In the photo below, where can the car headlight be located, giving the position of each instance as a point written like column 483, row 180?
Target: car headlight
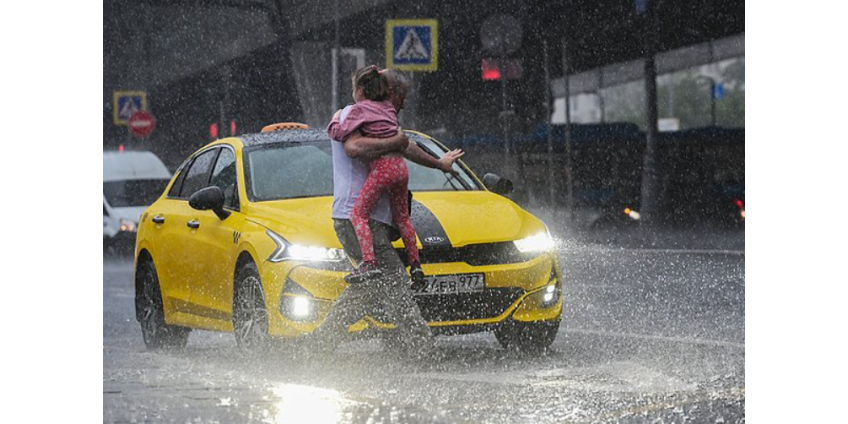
column 551, row 294
column 127, row 226
column 294, row 252
column 296, row 303
column 299, row 308
column 535, row 243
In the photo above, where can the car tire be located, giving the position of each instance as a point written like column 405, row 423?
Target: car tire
column 151, row 314
column 250, row 313
column 528, row 337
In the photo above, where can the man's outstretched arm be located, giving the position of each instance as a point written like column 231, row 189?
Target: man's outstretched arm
column 359, row 146
column 416, row 154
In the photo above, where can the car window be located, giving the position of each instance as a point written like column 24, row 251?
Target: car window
column 174, row 192
column 422, row 178
column 197, row 176
column 224, row 176
column 285, row 172
column 128, row 193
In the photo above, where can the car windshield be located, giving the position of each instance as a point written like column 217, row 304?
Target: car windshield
column 422, row 178
column 292, row 170
column 128, row 193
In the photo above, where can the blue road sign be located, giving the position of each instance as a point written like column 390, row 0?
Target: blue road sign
column 125, row 103
column 718, row 91
column 412, row 44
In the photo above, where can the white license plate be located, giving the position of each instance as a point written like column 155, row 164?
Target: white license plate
column 450, row 284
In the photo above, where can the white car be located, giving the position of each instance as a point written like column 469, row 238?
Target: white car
column 132, row 181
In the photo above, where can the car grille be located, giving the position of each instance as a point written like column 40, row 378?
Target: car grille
column 489, row 303
column 474, row 254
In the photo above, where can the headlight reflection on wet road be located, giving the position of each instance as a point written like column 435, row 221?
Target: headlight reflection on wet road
column 306, row 404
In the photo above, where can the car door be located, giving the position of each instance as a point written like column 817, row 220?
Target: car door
column 175, row 260
column 214, row 244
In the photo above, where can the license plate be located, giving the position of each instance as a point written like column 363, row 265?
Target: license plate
column 450, row 284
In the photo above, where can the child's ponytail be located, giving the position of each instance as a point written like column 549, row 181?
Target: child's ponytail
column 374, row 85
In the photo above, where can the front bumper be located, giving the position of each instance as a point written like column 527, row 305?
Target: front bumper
column 514, row 291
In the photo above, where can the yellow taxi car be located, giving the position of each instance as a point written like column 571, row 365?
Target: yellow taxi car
column 242, row 241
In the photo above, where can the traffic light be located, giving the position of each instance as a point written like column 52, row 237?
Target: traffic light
column 492, row 70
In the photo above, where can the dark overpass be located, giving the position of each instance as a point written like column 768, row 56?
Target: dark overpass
column 215, row 62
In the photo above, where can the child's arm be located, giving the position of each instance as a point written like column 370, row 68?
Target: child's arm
column 340, row 129
column 333, row 126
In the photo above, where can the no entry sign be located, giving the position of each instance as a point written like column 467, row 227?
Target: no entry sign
column 141, row 124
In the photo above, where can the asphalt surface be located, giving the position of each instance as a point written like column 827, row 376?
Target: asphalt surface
column 653, row 332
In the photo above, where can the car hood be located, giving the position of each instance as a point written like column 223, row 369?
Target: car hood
column 447, row 218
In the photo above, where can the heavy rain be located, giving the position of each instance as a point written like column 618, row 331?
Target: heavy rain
column 549, row 104
column 576, row 186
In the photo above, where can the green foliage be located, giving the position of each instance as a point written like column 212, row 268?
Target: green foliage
column 686, row 95
column 625, row 103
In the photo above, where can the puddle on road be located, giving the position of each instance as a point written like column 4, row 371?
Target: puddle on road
column 619, row 377
column 306, row 404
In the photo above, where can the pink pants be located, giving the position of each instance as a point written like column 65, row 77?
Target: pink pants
column 388, row 173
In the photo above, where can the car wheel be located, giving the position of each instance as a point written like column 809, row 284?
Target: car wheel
column 250, row 315
column 530, row 337
column 151, row 315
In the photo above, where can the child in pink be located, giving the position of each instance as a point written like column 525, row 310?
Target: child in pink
column 373, row 115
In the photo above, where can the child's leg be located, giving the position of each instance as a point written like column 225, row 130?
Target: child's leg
column 375, row 185
column 400, row 215
column 400, row 211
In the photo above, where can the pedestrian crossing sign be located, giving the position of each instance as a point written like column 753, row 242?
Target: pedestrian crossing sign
column 125, row 103
column 412, row 44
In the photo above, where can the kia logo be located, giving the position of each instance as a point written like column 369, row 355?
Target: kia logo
column 434, row 239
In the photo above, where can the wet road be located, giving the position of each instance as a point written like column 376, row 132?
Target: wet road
column 648, row 336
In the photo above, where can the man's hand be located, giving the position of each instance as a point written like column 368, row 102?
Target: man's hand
column 419, row 156
column 401, row 144
column 337, row 115
column 446, row 161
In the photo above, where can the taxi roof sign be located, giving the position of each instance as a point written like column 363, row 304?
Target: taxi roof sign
column 412, row 44
column 282, row 126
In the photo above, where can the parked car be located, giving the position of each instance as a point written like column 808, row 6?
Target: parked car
column 702, row 176
column 242, row 241
column 131, row 182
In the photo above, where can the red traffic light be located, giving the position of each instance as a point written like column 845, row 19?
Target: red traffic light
column 492, row 70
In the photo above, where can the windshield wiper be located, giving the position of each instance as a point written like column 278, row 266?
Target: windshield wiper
column 448, row 175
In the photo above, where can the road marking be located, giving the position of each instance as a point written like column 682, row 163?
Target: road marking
column 692, row 251
column 678, row 251
column 687, row 340
column 736, row 393
column 604, row 286
column 684, row 251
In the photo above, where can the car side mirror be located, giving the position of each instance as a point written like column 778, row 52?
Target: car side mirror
column 497, row 184
column 209, row 198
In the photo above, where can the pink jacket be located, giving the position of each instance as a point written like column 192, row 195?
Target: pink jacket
column 372, row 119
